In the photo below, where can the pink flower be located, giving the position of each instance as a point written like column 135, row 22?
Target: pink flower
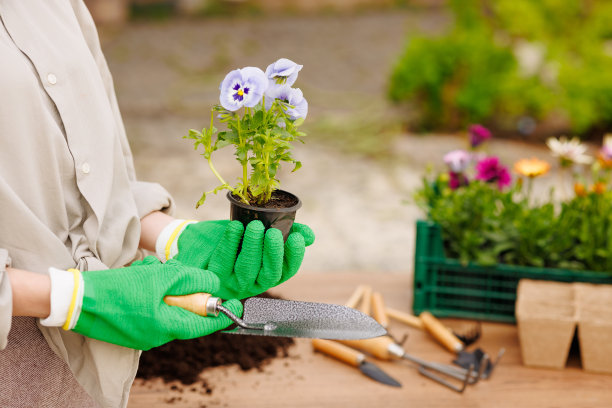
column 491, row 171
column 457, row 180
column 478, row 135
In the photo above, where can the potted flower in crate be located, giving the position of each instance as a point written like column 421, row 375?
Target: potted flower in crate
column 262, row 114
column 486, row 230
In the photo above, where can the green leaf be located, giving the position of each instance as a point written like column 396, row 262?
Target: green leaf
column 298, row 165
column 221, row 143
column 201, row 201
column 241, row 153
column 194, row 134
column 259, row 139
column 257, row 118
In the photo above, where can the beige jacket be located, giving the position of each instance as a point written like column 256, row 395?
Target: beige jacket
column 68, row 192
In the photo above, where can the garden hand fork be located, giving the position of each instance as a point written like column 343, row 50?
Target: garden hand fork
column 385, row 348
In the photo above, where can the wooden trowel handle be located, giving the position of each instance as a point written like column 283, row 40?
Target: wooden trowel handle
column 203, row 304
column 380, row 347
column 378, row 310
column 366, row 301
column 441, row 333
column 406, row 318
column 355, row 298
column 339, row 351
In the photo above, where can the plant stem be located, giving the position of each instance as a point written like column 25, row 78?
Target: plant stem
column 263, row 108
column 563, row 182
column 212, row 121
column 245, row 175
column 210, row 149
column 529, row 188
column 267, row 167
column 210, row 164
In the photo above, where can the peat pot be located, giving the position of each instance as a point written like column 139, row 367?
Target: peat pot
column 279, row 212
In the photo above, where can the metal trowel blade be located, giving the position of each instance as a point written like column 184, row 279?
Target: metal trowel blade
column 289, row 318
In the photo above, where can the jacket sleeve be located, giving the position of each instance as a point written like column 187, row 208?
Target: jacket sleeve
column 148, row 196
column 6, row 299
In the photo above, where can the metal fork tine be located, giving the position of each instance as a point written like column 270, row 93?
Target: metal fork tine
column 466, row 379
column 492, row 364
column 458, row 373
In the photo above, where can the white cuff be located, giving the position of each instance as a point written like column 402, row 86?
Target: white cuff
column 172, row 232
column 62, row 287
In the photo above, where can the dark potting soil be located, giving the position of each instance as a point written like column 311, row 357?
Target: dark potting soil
column 184, row 360
column 279, row 199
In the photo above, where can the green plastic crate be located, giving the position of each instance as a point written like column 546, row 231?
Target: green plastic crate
column 447, row 288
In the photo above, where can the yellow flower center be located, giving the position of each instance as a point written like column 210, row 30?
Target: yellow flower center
column 240, row 92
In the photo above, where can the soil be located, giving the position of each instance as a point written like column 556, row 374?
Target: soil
column 185, row 360
column 280, row 199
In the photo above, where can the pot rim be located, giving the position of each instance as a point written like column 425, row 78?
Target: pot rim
column 240, row 204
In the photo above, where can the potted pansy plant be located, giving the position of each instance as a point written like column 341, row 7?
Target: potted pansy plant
column 261, row 113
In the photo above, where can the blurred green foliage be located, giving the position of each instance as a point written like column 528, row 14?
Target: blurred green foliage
column 159, row 10
column 546, row 59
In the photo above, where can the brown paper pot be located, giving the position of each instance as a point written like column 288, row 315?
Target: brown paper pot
column 589, row 295
column 595, row 327
column 596, row 346
column 545, row 334
column 546, row 319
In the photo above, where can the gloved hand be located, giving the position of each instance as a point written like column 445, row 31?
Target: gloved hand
column 125, row 306
column 264, row 260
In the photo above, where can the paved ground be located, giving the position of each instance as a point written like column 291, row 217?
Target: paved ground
column 167, row 77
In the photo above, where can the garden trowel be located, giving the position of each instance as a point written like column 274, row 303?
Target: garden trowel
column 286, row 318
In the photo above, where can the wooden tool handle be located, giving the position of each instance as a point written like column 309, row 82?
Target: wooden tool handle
column 339, row 351
column 356, row 296
column 378, row 310
column 441, row 333
column 379, row 347
column 405, row 318
column 195, row 303
column 366, row 301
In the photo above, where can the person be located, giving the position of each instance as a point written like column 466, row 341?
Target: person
column 74, row 308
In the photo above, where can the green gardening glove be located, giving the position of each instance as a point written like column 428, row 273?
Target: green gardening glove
column 264, row 260
column 125, row 306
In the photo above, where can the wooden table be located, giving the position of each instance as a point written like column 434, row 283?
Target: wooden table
column 308, row 379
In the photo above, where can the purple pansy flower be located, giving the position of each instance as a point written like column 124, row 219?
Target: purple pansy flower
column 457, row 160
column 490, row 170
column 478, row 135
column 295, row 106
column 243, row 87
column 283, row 72
column 457, row 180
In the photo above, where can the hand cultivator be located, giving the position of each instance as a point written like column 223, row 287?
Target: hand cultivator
column 470, row 368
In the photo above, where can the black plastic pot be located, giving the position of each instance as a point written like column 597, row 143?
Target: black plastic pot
column 281, row 218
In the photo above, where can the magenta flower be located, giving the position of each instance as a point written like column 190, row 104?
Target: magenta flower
column 491, row 170
column 457, row 180
column 478, row 135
